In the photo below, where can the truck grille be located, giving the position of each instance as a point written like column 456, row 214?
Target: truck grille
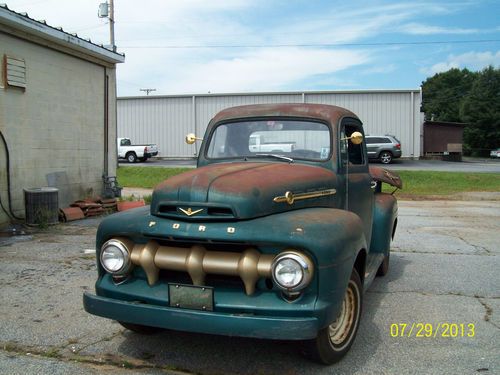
column 201, row 262
column 186, row 212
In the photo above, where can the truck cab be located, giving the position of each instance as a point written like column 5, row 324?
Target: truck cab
column 274, row 245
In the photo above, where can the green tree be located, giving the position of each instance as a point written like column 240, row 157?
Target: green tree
column 443, row 94
column 480, row 109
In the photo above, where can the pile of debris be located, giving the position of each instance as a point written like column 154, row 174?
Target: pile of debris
column 87, row 208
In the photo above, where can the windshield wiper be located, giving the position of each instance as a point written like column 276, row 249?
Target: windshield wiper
column 280, row 157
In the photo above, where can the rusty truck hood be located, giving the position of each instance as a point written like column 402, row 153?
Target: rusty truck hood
column 229, row 191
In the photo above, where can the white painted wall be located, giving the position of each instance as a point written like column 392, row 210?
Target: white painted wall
column 165, row 120
column 56, row 125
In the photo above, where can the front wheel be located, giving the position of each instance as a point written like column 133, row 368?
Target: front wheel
column 385, row 157
column 334, row 341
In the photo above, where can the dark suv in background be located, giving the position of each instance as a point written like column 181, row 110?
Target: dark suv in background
column 383, row 148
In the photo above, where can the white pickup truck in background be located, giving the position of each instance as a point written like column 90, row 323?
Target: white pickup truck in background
column 126, row 150
column 258, row 144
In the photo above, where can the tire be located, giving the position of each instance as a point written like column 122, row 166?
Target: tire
column 385, row 157
column 334, row 341
column 383, row 269
column 131, row 157
column 138, row 328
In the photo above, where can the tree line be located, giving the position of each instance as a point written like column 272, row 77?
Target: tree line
column 469, row 97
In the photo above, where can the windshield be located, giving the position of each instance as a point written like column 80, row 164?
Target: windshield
column 296, row 139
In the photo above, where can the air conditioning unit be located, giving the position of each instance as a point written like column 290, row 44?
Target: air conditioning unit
column 41, row 206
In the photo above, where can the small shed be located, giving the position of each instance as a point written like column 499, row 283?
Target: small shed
column 443, row 140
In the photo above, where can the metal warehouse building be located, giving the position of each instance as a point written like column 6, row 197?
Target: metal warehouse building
column 165, row 120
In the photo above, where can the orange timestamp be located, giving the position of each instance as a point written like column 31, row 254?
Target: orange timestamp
column 431, row 330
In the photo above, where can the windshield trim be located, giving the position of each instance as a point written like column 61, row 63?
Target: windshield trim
column 268, row 118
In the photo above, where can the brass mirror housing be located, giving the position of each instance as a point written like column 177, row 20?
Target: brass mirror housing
column 192, row 138
column 356, row 138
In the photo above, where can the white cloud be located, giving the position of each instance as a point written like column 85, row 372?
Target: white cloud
column 421, row 29
column 470, row 60
column 264, row 69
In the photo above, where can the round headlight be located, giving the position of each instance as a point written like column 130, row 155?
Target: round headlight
column 115, row 257
column 292, row 271
column 288, row 273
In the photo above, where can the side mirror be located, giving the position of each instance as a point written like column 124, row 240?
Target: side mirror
column 356, row 138
column 192, row 138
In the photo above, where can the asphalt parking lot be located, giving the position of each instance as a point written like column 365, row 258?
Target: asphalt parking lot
column 444, row 269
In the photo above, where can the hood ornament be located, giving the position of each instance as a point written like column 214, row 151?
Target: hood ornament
column 190, row 212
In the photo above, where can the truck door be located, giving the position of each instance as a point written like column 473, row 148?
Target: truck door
column 354, row 166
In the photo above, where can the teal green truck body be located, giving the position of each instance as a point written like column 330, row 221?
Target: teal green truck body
column 213, row 237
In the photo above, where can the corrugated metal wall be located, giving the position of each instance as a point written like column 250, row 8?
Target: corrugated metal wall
column 165, row 120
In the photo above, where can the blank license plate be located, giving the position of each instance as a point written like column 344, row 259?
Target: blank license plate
column 191, row 297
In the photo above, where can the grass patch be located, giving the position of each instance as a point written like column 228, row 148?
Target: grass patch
column 422, row 183
column 145, row 177
column 415, row 183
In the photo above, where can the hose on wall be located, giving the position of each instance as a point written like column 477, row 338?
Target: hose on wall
column 9, row 213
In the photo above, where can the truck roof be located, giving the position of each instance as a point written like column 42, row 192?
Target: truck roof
column 328, row 113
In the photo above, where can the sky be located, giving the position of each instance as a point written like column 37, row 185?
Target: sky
column 223, row 46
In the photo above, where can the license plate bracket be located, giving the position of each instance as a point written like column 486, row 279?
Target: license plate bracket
column 191, row 297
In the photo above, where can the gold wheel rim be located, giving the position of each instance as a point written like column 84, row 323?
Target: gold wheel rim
column 339, row 330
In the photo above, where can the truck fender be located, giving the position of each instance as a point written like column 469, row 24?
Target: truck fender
column 385, row 213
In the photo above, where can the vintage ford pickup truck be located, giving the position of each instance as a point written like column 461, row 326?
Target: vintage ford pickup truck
column 275, row 246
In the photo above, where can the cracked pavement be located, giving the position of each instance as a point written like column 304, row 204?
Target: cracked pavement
column 444, row 268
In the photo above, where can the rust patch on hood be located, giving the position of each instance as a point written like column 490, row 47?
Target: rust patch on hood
column 383, row 175
column 248, row 188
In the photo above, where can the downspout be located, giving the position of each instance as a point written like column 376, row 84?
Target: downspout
column 106, row 122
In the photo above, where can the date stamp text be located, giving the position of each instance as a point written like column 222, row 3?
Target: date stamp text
column 432, row 330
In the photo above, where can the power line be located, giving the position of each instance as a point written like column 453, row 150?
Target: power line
column 318, row 45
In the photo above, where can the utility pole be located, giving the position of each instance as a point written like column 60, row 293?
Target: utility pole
column 108, row 11
column 147, row 91
column 112, row 25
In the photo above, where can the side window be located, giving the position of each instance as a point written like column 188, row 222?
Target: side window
column 386, row 140
column 348, row 150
